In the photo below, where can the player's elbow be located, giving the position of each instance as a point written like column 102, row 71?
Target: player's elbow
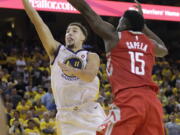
column 162, row 53
column 89, row 78
column 165, row 52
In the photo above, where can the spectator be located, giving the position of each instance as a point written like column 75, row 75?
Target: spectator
column 15, row 98
column 9, row 110
column 47, row 126
column 39, row 108
column 31, row 129
column 48, row 100
column 30, row 116
column 173, row 128
column 16, row 128
column 22, row 107
column 16, row 117
column 39, row 93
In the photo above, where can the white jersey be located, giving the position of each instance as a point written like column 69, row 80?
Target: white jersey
column 69, row 90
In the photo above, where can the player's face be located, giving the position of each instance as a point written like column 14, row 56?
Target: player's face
column 74, row 37
column 122, row 24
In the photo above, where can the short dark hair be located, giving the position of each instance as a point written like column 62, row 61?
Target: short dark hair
column 135, row 20
column 83, row 29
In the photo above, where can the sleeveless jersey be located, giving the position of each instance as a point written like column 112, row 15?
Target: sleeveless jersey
column 131, row 61
column 69, row 90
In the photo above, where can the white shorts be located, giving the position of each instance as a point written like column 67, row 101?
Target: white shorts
column 83, row 121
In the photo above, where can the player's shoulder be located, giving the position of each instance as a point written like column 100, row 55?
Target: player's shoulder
column 93, row 54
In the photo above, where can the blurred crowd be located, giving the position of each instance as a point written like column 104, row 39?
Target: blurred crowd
column 167, row 76
column 26, row 91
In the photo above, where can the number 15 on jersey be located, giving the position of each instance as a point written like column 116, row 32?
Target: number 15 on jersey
column 135, row 58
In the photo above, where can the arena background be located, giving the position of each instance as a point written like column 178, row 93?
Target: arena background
column 24, row 70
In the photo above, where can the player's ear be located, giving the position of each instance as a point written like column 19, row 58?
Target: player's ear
column 83, row 38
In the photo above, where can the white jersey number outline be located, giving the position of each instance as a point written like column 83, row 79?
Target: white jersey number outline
column 135, row 57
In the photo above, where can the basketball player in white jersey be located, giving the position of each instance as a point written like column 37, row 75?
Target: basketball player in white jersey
column 73, row 77
column 3, row 125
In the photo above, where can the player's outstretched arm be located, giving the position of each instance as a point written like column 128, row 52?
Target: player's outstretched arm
column 45, row 35
column 160, row 48
column 102, row 28
column 89, row 73
column 3, row 125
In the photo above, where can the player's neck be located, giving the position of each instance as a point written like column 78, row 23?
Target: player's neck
column 75, row 49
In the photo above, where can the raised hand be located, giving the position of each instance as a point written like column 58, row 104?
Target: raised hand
column 138, row 6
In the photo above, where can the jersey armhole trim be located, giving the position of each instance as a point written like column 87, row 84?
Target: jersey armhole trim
column 120, row 35
column 87, row 53
column 56, row 54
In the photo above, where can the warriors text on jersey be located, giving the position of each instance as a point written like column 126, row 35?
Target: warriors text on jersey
column 131, row 61
column 69, row 90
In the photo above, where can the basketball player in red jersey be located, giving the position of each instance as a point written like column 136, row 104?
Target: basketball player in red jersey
column 131, row 50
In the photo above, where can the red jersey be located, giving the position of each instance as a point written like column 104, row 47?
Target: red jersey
column 130, row 62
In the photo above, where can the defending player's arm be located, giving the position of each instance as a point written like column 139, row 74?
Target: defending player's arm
column 160, row 48
column 102, row 28
column 88, row 73
column 45, row 35
column 3, row 125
